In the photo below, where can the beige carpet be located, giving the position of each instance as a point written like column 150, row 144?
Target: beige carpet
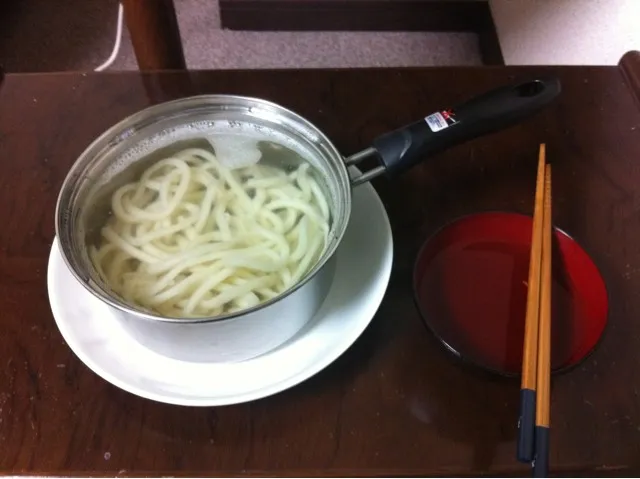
column 53, row 35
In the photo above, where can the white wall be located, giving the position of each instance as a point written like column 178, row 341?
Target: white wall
column 566, row 32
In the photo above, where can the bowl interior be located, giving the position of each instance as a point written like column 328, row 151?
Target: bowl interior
column 470, row 282
column 122, row 153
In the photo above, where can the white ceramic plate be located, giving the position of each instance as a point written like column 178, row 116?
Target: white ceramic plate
column 362, row 274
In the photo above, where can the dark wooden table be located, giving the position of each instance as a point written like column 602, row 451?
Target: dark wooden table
column 395, row 403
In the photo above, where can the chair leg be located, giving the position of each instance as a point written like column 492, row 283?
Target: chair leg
column 154, row 34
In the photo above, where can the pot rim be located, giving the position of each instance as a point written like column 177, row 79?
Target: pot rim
column 118, row 131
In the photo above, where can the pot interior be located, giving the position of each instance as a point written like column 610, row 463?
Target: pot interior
column 238, row 131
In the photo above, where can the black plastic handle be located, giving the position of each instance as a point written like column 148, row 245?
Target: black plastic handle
column 488, row 113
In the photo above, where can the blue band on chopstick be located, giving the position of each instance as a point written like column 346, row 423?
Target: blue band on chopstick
column 526, row 425
column 541, row 459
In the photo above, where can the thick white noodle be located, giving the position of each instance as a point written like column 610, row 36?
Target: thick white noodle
column 193, row 238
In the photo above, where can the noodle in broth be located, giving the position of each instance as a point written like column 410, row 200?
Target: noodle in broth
column 194, row 238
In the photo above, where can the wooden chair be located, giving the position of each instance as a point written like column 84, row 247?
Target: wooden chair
column 154, row 34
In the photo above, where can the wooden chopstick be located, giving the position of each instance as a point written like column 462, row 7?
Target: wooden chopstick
column 535, row 394
column 526, row 421
column 543, row 379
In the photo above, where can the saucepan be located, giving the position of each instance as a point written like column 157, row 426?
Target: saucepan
column 117, row 157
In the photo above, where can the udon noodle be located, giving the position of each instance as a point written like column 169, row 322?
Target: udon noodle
column 194, row 238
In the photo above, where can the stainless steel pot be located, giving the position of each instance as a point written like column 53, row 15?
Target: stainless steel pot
column 118, row 154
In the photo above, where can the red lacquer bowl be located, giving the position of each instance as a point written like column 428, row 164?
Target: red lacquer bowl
column 470, row 283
